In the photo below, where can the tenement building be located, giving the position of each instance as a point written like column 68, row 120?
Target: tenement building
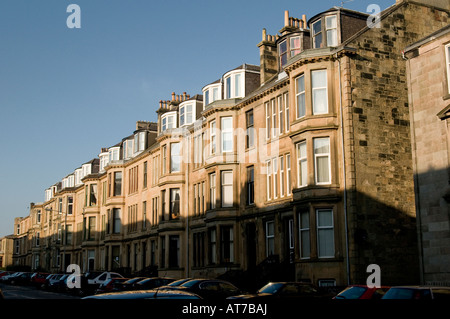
column 299, row 168
column 428, row 69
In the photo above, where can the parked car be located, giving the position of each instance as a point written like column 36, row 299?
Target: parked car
column 7, row 278
column 52, row 282
column 131, row 283
column 5, row 273
column 285, row 290
column 97, row 278
column 176, row 283
column 210, row 289
column 151, row 283
column 112, row 285
column 418, row 292
column 147, row 294
column 38, row 279
column 22, row 279
column 362, row 292
column 77, row 284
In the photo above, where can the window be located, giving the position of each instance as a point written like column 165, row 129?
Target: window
column 280, row 115
column 145, row 176
column 282, row 176
column 199, row 250
column 288, row 174
column 286, row 110
column 212, row 249
column 319, row 91
column 325, row 233
column 274, row 117
column 69, row 232
column 322, row 160
column 212, row 191
column 227, row 244
column 174, row 203
column 93, row 195
column 300, row 96
column 38, row 216
column 164, row 159
column 227, row 134
column 304, row 234
column 70, row 205
column 250, row 136
column 270, row 239
column 234, row 86
column 37, row 239
column 331, row 28
column 113, row 156
column 447, row 55
column 269, row 179
column 275, row 177
column 250, row 185
column 302, row 170
column 186, row 114
column 117, row 184
column 163, row 204
column 116, row 221
column 227, row 189
column 317, row 34
column 175, row 158
column 163, row 252
column 268, row 120
column 129, row 148
column 174, row 251
column 295, row 45
column 282, row 49
column 213, row 137
column 168, row 121
column 91, row 228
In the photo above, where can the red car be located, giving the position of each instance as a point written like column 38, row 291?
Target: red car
column 362, row 292
column 38, row 279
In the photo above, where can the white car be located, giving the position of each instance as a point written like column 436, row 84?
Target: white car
column 98, row 278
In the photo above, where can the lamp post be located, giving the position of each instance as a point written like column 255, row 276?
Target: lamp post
column 64, row 237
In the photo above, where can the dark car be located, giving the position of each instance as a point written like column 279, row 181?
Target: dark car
column 78, row 284
column 209, row 289
column 131, row 283
column 38, row 279
column 286, row 290
column 52, row 281
column 176, row 283
column 111, row 285
column 418, row 292
column 362, row 292
column 151, row 283
column 147, row 294
column 22, row 279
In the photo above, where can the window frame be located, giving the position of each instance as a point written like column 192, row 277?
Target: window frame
column 447, row 59
column 302, row 160
column 226, row 186
column 304, row 229
column 313, row 89
column 316, row 156
column 226, row 131
column 335, row 28
column 326, row 227
column 270, row 238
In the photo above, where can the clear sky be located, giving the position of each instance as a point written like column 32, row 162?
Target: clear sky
column 66, row 93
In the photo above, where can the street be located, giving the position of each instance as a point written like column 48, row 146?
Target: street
column 27, row 292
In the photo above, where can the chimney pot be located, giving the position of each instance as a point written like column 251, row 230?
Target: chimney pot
column 304, row 21
column 173, row 96
column 286, row 18
column 264, row 34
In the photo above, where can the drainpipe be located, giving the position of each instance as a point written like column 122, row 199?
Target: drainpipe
column 344, row 173
column 187, row 206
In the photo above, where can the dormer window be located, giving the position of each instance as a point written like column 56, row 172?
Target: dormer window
column 288, row 48
column 104, row 160
column 114, row 154
column 282, row 49
column 187, row 114
column 127, row 149
column 234, row 85
column 211, row 93
column 327, row 25
column 86, row 169
column 78, row 175
column 168, row 121
column 139, row 142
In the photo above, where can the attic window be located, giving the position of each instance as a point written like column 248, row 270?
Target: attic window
column 282, row 49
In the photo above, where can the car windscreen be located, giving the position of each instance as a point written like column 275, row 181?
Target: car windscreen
column 407, row 293
column 190, row 283
column 270, row 288
column 351, row 293
column 92, row 275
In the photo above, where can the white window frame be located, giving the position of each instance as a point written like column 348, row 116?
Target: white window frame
column 269, row 179
column 283, row 54
column 292, row 49
column 268, row 120
column 282, row 176
column 169, row 121
column 274, row 117
column 175, row 159
column 233, row 88
column 302, row 161
column 275, row 177
column 184, row 110
column 286, row 110
column 280, row 114
column 304, row 229
column 226, row 187
column 297, row 94
column 315, row 34
column 213, row 137
column 332, row 28
column 313, row 89
column 447, row 58
column 325, row 228
column 270, row 238
column 212, row 190
column 226, row 131
column 316, row 156
column 288, row 174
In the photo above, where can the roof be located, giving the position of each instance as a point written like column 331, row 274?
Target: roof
column 439, row 33
column 348, row 11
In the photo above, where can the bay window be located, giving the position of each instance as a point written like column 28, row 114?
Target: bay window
column 212, row 130
column 331, row 28
column 227, row 189
column 270, row 238
column 317, row 34
column 168, row 121
column 304, row 235
column 300, row 96
column 325, row 233
column 234, row 85
column 187, row 114
column 302, row 170
column 175, row 158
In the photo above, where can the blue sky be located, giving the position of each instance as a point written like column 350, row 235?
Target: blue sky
column 66, row 93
